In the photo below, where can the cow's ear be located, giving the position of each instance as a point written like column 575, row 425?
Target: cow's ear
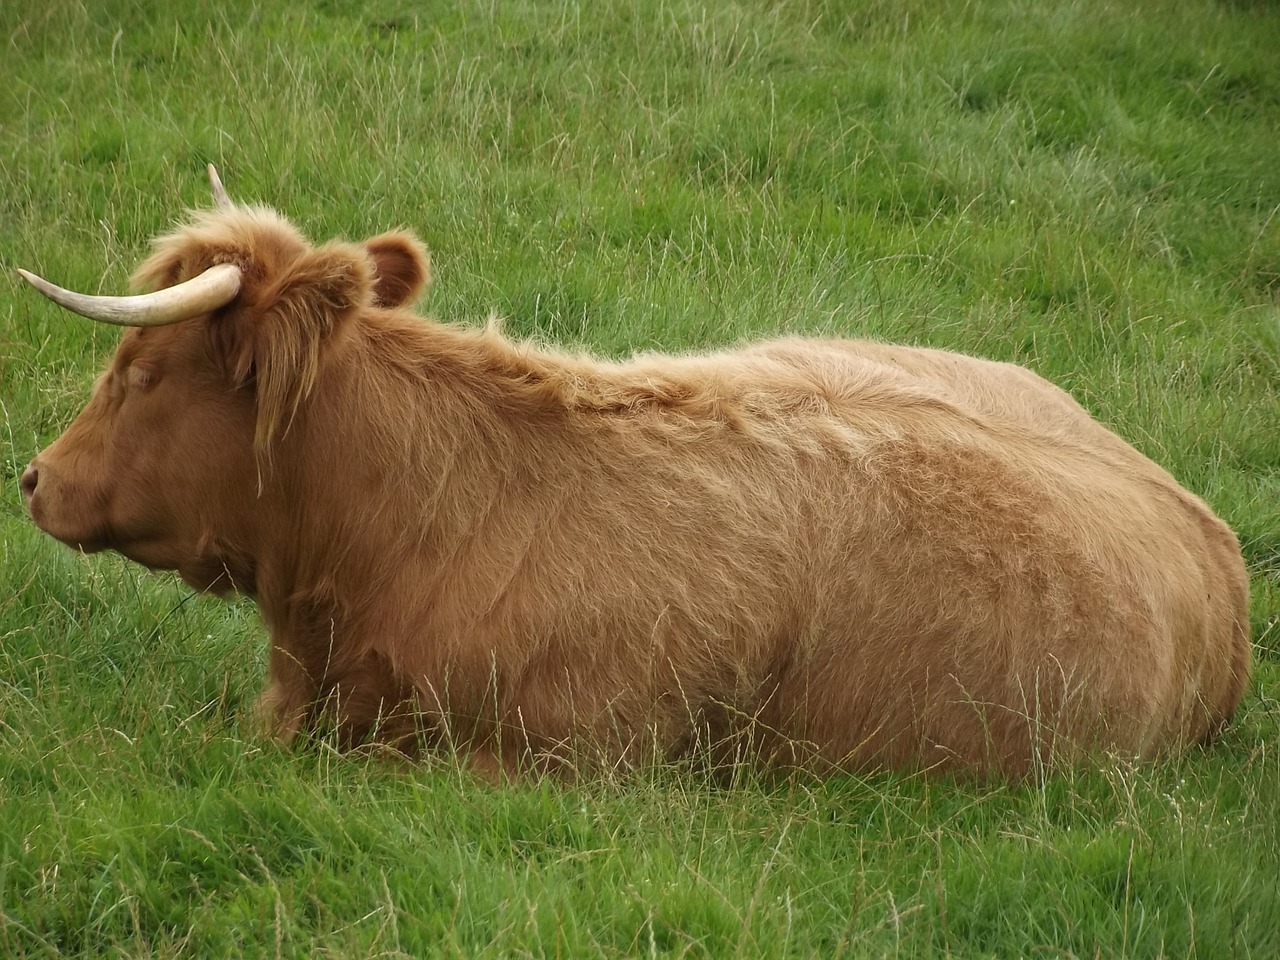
column 322, row 288
column 277, row 341
column 402, row 268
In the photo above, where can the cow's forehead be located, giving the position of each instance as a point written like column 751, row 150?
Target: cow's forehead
column 130, row 345
column 142, row 344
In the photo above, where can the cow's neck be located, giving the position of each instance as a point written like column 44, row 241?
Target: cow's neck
column 388, row 473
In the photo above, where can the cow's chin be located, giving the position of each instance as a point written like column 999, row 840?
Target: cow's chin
column 206, row 574
column 86, row 538
column 216, row 576
column 200, row 571
column 220, row 583
column 149, row 553
column 83, row 544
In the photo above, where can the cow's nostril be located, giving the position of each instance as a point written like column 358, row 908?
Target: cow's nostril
column 30, row 477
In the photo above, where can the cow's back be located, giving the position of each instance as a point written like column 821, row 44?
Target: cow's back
column 1033, row 582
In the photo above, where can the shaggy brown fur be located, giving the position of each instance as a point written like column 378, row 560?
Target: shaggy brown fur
column 825, row 553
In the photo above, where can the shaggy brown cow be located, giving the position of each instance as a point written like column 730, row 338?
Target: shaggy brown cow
column 819, row 552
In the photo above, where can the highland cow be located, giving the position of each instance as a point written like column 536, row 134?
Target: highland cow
column 832, row 554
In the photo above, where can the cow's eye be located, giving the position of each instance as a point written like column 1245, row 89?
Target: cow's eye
column 140, row 377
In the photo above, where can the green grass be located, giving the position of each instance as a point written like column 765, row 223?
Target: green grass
column 1088, row 187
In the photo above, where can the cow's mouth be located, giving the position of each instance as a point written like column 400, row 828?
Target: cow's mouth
column 66, row 510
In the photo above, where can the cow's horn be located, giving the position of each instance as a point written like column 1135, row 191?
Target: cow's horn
column 214, row 288
column 219, row 191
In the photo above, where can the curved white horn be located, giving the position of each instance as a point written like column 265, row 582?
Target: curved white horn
column 219, row 191
column 214, row 288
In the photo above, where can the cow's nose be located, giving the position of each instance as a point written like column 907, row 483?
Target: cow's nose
column 30, row 477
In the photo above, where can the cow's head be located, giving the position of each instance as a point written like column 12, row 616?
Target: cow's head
column 165, row 464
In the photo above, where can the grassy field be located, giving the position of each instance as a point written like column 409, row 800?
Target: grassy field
column 1088, row 187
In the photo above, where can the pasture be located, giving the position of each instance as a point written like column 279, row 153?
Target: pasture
column 1089, row 188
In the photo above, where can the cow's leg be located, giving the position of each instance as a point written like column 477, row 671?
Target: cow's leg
column 483, row 761
column 370, row 706
column 283, row 706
